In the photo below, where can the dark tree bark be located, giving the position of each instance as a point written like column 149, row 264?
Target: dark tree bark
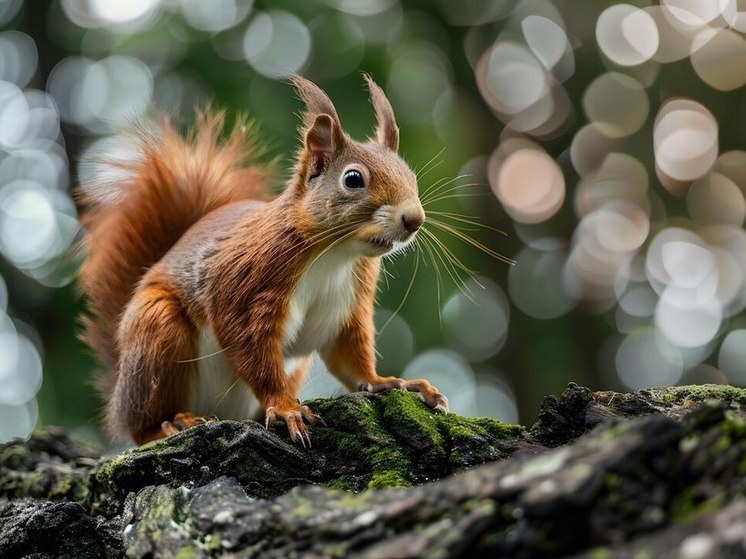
column 659, row 472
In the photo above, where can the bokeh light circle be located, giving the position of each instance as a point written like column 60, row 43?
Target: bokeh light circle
column 121, row 15
column 18, row 421
column 616, row 104
column 732, row 164
column 215, row 15
column 511, row 78
column 621, row 226
column 27, row 222
column 476, row 319
column 494, row 398
column 589, row 148
column 546, row 39
column 643, row 362
column 673, row 44
column 627, row 35
column 394, row 342
column 530, row 186
column 420, row 74
column 685, row 139
column 117, row 89
column 691, row 15
column 276, row 43
column 20, row 365
column 451, row 373
column 620, row 177
column 734, row 12
column 720, row 60
column 680, row 259
column 18, row 57
column 687, row 327
column 538, row 284
column 101, row 95
column 714, row 199
column 732, row 356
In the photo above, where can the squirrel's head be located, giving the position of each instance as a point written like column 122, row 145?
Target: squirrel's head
column 361, row 192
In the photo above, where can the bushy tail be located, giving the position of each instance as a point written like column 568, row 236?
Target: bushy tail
column 138, row 204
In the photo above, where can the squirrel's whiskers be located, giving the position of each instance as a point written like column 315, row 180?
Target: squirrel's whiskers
column 433, row 249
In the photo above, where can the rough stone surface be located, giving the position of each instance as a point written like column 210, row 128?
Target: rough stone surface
column 655, row 473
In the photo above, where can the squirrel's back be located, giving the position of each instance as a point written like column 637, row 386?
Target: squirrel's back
column 134, row 215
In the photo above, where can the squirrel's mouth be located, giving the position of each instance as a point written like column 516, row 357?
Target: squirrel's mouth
column 381, row 243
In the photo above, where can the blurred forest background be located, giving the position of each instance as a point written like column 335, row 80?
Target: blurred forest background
column 606, row 139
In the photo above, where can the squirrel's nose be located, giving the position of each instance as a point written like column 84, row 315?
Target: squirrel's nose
column 412, row 221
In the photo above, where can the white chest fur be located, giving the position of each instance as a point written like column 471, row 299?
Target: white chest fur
column 217, row 390
column 321, row 303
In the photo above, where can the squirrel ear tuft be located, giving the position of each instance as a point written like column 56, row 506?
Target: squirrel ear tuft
column 317, row 102
column 387, row 131
column 321, row 128
column 321, row 142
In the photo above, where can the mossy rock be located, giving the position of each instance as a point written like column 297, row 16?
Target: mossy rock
column 369, row 441
column 600, row 473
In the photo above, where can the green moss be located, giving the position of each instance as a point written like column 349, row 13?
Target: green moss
column 684, row 506
column 213, row 542
column 735, row 427
column 406, row 412
column 108, row 470
column 390, row 467
column 352, row 500
column 304, row 508
column 349, row 446
column 387, row 466
column 342, row 483
column 17, row 457
column 403, row 441
column 463, row 428
column 601, row 553
column 186, row 553
column 499, row 429
column 694, row 395
column 70, row 486
column 388, row 478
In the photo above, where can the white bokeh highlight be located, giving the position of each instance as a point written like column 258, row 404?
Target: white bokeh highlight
column 627, row 35
column 685, row 139
column 276, row 43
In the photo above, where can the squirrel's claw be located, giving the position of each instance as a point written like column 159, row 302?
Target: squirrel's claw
column 295, row 420
column 442, row 403
column 169, row 428
column 270, row 418
column 432, row 397
column 311, row 417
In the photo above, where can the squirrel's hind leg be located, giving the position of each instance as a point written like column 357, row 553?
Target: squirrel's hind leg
column 154, row 377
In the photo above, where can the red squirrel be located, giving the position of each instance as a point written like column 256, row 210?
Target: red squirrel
column 207, row 296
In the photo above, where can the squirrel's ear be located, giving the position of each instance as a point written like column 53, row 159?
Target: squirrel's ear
column 321, row 142
column 317, row 102
column 387, row 132
column 321, row 128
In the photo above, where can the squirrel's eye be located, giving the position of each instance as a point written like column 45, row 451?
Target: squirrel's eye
column 353, row 179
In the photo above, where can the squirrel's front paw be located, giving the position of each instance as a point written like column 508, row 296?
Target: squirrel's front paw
column 429, row 394
column 295, row 417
